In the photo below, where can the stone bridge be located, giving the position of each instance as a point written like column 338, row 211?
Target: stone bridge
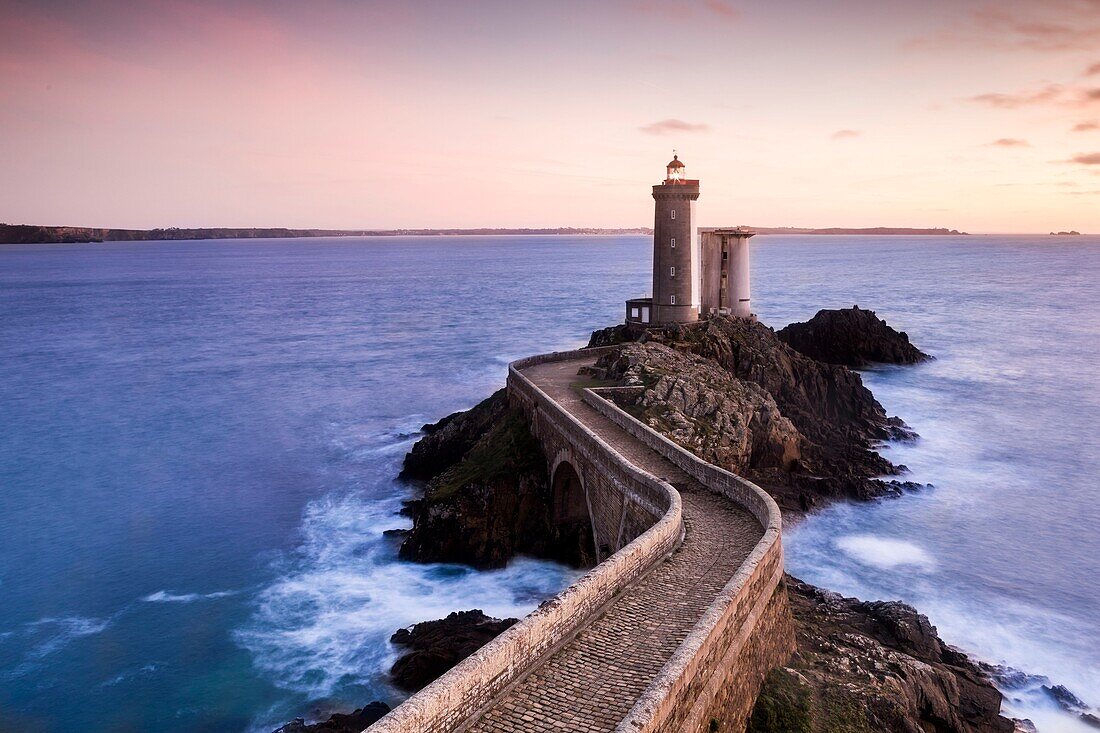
column 676, row 626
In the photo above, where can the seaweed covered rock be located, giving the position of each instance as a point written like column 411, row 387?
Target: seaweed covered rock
column 870, row 667
column 433, row 647
column 852, row 337
column 340, row 722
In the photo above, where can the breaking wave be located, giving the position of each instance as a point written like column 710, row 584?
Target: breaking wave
column 164, row 596
column 325, row 622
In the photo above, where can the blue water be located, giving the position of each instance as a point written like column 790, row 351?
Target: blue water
column 199, row 444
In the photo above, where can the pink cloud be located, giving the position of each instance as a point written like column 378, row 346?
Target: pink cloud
column 1093, row 70
column 671, row 126
column 1053, row 26
column 1048, row 93
column 1010, row 142
column 721, row 8
column 1086, row 159
column 688, row 9
column 845, row 134
column 1055, row 94
column 1086, row 126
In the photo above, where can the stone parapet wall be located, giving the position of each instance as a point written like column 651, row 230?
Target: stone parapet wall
column 645, row 527
column 620, row 506
column 716, row 673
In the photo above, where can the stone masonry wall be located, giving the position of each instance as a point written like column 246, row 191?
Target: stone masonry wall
column 717, row 672
column 652, row 515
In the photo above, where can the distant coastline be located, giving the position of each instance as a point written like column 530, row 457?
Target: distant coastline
column 35, row 234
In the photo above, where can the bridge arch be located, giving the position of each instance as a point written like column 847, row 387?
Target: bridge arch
column 571, row 509
column 714, row 673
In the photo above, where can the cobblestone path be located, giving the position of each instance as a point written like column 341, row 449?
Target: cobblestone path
column 592, row 682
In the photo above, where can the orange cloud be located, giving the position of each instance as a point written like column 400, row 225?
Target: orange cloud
column 671, row 126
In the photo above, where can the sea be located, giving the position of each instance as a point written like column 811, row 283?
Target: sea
column 199, row 444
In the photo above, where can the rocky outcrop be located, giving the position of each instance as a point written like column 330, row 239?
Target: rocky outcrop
column 1020, row 686
column 447, row 441
column 726, row 421
column 436, row 646
column 488, row 497
column 851, row 337
column 872, row 666
column 746, row 377
column 611, row 336
column 340, row 722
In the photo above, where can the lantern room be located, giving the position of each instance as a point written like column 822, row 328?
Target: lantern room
column 675, row 170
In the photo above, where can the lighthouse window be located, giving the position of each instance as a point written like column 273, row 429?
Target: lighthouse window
column 674, row 213
column 672, row 300
column 672, row 272
column 674, row 241
column 725, row 255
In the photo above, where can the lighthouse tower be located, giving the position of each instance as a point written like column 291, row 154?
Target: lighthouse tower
column 675, row 248
column 691, row 279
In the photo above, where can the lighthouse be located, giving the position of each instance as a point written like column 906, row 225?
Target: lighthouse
column 675, row 247
column 691, row 279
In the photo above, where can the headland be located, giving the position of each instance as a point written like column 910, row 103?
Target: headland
column 38, row 234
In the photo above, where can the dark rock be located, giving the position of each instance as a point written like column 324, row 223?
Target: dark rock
column 494, row 501
column 448, row 440
column 340, row 722
column 896, row 429
column 851, row 337
column 872, row 666
column 620, row 334
column 1069, row 702
column 608, row 336
column 1065, row 698
column 436, row 646
column 1011, row 678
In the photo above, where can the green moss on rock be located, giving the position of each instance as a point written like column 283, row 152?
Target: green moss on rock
column 782, row 707
column 506, row 450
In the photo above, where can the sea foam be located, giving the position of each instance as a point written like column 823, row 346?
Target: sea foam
column 884, row 552
column 326, row 620
column 164, row 596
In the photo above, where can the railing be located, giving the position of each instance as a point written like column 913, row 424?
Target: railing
column 468, row 688
column 675, row 698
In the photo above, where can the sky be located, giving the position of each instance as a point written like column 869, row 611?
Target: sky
column 980, row 116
